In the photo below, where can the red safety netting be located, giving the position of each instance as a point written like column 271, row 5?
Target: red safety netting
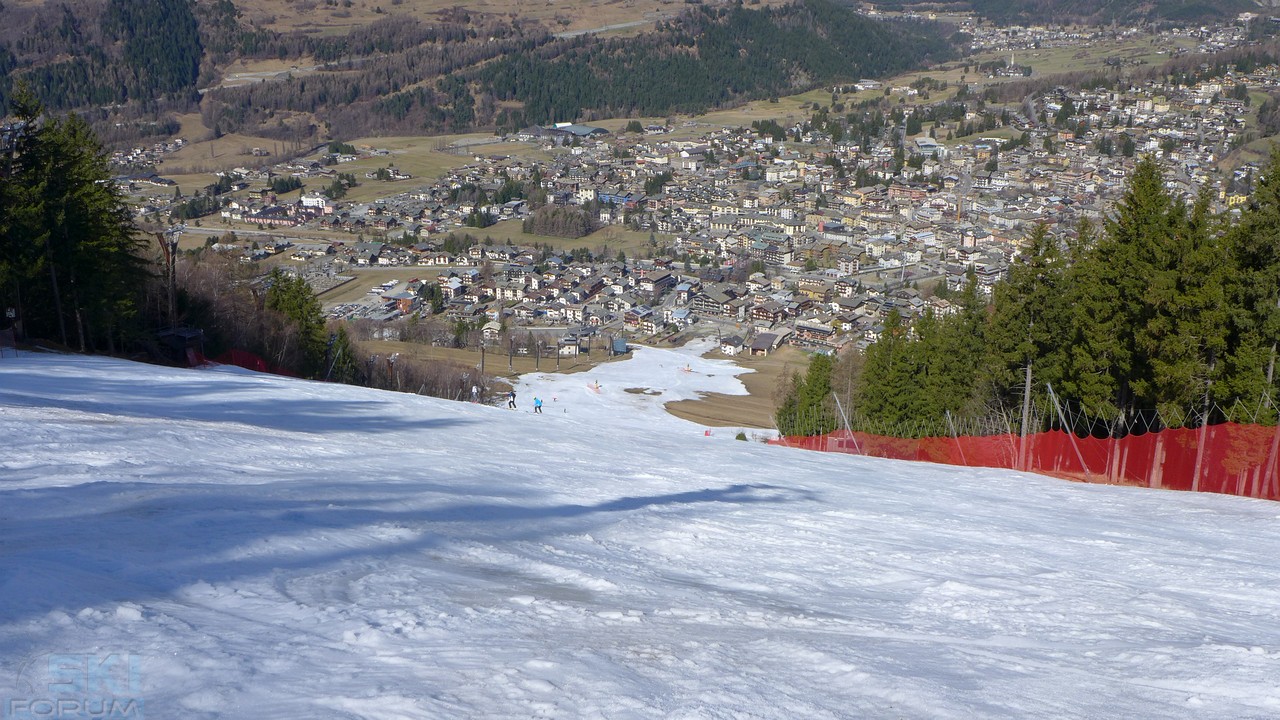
column 248, row 360
column 1227, row 458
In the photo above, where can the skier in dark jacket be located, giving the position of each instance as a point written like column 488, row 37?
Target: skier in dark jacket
column 511, row 399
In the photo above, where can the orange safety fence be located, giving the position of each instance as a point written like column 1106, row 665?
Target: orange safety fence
column 1229, row 458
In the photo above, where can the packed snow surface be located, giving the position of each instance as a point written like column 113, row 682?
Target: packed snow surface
column 222, row 544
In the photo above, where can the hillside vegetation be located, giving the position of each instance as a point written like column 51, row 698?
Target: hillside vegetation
column 100, row 53
column 712, row 57
column 129, row 64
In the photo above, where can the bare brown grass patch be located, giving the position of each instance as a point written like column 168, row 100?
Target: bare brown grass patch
column 753, row 410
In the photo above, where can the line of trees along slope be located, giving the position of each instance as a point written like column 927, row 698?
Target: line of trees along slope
column 76, row 270
column 69, row 259
column 279, row 319
column 1165, row 307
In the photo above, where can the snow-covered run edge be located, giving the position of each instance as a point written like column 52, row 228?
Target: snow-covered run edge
column 224, row 544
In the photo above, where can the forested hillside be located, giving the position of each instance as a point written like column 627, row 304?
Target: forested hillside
column 101, row 53
column 711, row 57
column 130, row 62
column 705, row 59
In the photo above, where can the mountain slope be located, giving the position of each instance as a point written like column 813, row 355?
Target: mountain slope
column 280, row 548
column 129, row 62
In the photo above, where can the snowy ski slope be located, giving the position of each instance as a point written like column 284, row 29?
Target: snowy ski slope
column 222, row 544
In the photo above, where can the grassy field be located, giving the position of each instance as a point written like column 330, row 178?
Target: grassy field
column 1257, row 151
column 1048, row 61
column 368, row 277
column 786, row 109
column 753, row 410
column 195, row 164
column 248, row 72
column 425, row 158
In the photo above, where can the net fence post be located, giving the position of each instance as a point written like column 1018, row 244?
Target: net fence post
column 845, row 418
column 1088, row 476
column 956, row 436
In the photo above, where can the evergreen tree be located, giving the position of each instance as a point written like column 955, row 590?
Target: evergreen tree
column 343, row 367
column 1253, row 295
column 293, row 298
column 69, row 252
column 951, row 383
column 19, row 204
column 888, row 383
column 807, row 407
column 1119, row 286
column 931, row 391
column 787, row 416
column 434, row 297
column 1187, row 331
column 1029, row 322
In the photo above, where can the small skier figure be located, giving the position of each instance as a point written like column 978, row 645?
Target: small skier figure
column 537, row 405
column 475, row 394
column 511, row 399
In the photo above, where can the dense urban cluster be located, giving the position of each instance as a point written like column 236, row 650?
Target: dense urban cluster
column 810, row 232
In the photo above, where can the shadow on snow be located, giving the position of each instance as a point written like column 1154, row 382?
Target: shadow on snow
column 68, row 548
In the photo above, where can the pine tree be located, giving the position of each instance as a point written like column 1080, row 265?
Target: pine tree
column 69, row 252
column 293, row 298
column 343, row 367
column 963, row 347
column 1029, row 322
column 888, row 384
column 1253, row 295
column 787, row 416
column 1120, row 286
column 816, row 400
column 932, row 387
column 1188, row 330
column 806, row 407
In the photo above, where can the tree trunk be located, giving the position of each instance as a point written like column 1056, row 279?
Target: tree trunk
column 57, row 296
column 1023, row 455
column 1204, row 433
column 79, row 313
